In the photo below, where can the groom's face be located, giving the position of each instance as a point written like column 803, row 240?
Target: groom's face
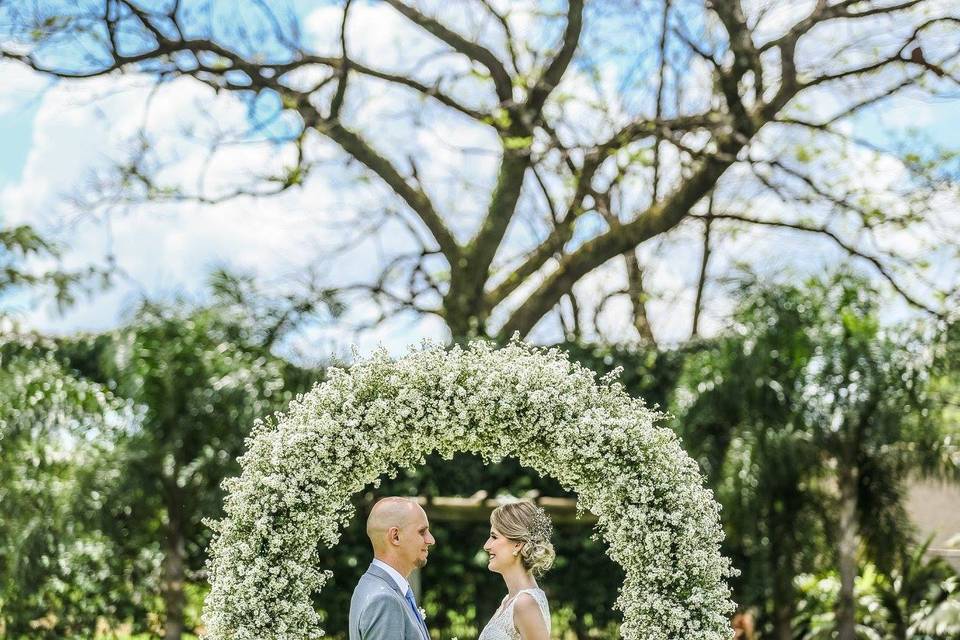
column 416, row 539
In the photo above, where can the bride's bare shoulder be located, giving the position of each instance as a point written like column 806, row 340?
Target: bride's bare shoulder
column 527, row 600
column 528, row 618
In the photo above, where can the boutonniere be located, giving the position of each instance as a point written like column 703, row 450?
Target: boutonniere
column 423, row 613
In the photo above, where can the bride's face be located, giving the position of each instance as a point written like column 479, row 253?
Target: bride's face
column 502, row 551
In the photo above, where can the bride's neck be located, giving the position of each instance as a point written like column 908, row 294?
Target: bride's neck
column 518, row 580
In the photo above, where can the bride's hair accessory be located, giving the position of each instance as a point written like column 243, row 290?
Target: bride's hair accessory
column 541, row 527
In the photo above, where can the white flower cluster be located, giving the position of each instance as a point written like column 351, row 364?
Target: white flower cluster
column 302, row 467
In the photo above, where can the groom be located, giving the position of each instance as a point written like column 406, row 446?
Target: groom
column 382, row 606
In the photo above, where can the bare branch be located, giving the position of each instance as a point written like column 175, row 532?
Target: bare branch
column 563, row 231
column 824, row 11
column 661, row 82
column 745, row 55
column 474, row 51
column 704, row 261
column 558, row 66
column 691, row 151
column 850, row 110
column 433, row 92
column 353, row 144
column 517, row 141
column 337, row 101
column 850, row 249
column 145, row 19
column 638, row 297
column 577, row 331
column 658, row 219
column 635, row 290
column 508, row 34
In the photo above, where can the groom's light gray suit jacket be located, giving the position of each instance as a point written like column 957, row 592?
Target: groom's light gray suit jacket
column 378, row 611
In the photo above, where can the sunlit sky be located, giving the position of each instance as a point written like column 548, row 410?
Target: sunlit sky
column 53, row 136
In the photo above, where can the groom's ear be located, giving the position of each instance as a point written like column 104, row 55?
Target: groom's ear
column 393, row 535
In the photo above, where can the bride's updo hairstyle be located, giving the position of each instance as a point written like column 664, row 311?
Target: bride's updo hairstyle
column 527, row 523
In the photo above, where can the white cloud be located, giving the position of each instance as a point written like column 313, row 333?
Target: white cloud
column 21, row 87
column 168, row 247
column 160, row 248
column 905, row 111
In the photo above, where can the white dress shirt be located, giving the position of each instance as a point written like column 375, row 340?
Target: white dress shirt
column 399, row 579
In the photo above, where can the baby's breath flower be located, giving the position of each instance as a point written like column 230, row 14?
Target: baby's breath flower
column 302, row 467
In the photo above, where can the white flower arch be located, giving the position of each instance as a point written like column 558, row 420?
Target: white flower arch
column 302, row 468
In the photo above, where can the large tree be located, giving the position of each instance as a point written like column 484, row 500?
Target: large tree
column 522, row 146
column 810, row 419
column 56, row 570
column 200, row 377
column 58, row 574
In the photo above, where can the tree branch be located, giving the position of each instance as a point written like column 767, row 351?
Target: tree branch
column 507, row 31
column 638, row 297
column 824, row 11
column 745, row 54
column 476, row 52
column 704, row 261
column 661, row 82
column 558, row 66
column 850, row 249
column 563, row 231
column 344, row 71
column 658, row 219
column 516, row 158
column 433, row 92
column 414, row 197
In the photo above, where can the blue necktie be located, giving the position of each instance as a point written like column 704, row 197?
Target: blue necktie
column 416, row 613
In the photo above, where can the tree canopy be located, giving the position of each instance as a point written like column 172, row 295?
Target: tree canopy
column 532, row 160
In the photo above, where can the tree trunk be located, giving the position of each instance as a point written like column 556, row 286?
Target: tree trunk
column 783, row 595
column 580, row 629
column 638, row 298
column 783, row 621
column 847, row 539
column 463, row 305
column 900, row 629
column 174, row 561
column 702, row 279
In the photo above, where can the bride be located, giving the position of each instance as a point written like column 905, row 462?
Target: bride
column 519, row 548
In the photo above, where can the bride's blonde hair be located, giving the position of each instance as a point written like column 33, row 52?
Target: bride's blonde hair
column 527, row 523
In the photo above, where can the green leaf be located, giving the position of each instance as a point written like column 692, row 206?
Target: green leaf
column 516, row 143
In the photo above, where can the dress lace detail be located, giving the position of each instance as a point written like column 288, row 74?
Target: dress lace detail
column 501, row 626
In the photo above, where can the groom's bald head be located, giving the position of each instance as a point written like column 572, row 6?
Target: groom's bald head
column 399, row 532
column 386, row 514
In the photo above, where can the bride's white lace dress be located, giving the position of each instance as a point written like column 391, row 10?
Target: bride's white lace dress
column 501, row 626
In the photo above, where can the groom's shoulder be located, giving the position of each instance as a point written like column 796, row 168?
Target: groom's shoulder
column 375, row 583
column 374, row 594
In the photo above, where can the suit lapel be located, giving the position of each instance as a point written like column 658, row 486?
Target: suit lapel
column 380, row 574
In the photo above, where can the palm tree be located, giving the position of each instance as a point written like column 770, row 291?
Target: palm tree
column 736, row 408
column 810, row 417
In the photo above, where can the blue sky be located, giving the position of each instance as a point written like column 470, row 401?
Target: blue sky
column 936, row 118
column 16, row 131
column 47, row 142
